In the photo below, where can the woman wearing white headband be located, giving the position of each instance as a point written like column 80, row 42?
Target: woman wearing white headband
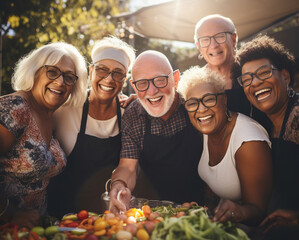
column 90, row 135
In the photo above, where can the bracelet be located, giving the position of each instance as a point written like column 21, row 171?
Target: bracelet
column 7, row 203
column 118, row 180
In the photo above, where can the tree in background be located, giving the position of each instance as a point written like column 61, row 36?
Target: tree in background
column 26, row 25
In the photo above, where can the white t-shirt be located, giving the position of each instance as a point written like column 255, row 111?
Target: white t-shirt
column 67, row 122
column 223, row 178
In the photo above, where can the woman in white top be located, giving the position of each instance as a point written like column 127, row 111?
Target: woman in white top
column 90, row 134
column 235, row 162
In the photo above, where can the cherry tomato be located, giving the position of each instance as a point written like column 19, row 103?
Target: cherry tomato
column 146, row 210
column 82, row 214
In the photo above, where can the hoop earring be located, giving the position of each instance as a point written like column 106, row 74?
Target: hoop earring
column 228, row 115
column 290, row 92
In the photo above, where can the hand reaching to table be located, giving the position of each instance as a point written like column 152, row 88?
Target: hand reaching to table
column 119, row 198
column 281, row 218
column 227, row 211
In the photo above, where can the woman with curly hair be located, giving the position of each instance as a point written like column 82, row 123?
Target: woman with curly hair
column 265, row 70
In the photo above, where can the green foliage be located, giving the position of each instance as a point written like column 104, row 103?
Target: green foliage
column 26, row 25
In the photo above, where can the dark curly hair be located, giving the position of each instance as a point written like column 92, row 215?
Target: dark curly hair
column 264, row 47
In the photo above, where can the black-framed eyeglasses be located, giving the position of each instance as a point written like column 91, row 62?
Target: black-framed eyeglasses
column 53, row 72
column 116, row 76
column 219, row 38
column 209, row 100
column 159, row 82
column 262, row 73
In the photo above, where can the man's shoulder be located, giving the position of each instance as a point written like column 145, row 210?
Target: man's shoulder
column 134, row 112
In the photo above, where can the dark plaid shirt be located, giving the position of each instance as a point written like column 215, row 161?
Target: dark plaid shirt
column 133, row 127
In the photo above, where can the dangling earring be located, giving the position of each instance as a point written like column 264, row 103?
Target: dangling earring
column 290, row 92
column 228, row 115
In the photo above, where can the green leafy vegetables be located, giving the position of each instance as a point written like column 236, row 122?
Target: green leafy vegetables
column 196, row 225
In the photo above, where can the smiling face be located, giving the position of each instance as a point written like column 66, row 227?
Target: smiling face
column 207, row 120
column 156, row 101
column 270, row 95
column 217, row 55
column 106, row 89
column 53, row 93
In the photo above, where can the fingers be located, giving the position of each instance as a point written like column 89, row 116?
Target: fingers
column 119, row 198
column 274, row 223
column 280, row 218
column 129, row 100
column 225, row 211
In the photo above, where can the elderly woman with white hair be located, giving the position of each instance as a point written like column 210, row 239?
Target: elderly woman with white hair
column 45, row 79
column 90, row 134
column 236, row 158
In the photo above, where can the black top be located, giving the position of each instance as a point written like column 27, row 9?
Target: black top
column 89, row 166
column 170, row 163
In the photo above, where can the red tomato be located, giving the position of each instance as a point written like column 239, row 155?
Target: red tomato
column 73, row 224
column 82, row 214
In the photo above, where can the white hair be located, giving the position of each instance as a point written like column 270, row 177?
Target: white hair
column 195, row 76
column 116, row 43
column 226, row 19
column 51, row 54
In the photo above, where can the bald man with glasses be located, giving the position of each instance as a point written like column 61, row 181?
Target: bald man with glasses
column 157, row 135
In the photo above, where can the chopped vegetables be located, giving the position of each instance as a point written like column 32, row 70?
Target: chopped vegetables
column 188, row 221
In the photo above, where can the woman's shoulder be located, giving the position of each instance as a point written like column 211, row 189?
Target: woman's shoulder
column 292, row 126
column 247, row 129
column 243, row 119
column 15, row 113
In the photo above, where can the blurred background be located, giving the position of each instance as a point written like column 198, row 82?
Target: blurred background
column 163, row 25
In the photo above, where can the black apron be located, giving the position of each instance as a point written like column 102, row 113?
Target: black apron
column 89, row 166
column 285, row 156
column 170, row 163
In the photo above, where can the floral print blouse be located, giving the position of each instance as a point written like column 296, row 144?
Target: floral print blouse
column 25, row 170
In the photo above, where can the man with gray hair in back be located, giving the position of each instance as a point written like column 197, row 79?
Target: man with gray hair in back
column 216, row 38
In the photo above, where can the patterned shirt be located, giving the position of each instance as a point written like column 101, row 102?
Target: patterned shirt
column 291, row 132
column 133, row 127
column 25, row 170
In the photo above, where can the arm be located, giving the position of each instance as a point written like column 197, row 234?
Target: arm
column 126, row 173
column 7, row 139
column 253, row 164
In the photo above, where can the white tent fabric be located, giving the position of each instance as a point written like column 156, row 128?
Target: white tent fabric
column 175, row 20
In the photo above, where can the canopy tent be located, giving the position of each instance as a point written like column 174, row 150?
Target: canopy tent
column 175, row 20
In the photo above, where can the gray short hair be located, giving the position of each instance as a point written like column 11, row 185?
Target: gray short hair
column 51, row 54
column 195, row 76
column 201, row 21
column 116, row 43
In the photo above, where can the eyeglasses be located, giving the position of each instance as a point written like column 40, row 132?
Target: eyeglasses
column 219, row 38
column 115, row 75
column 159, row 82
column 209, row 100
column 262, row 73
column 53, row 73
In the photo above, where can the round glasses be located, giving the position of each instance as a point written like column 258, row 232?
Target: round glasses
column 209, row 100
column 159, row 82
column 262, row 73
column 115, row 75
column 219, row 38
column 54, row 72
